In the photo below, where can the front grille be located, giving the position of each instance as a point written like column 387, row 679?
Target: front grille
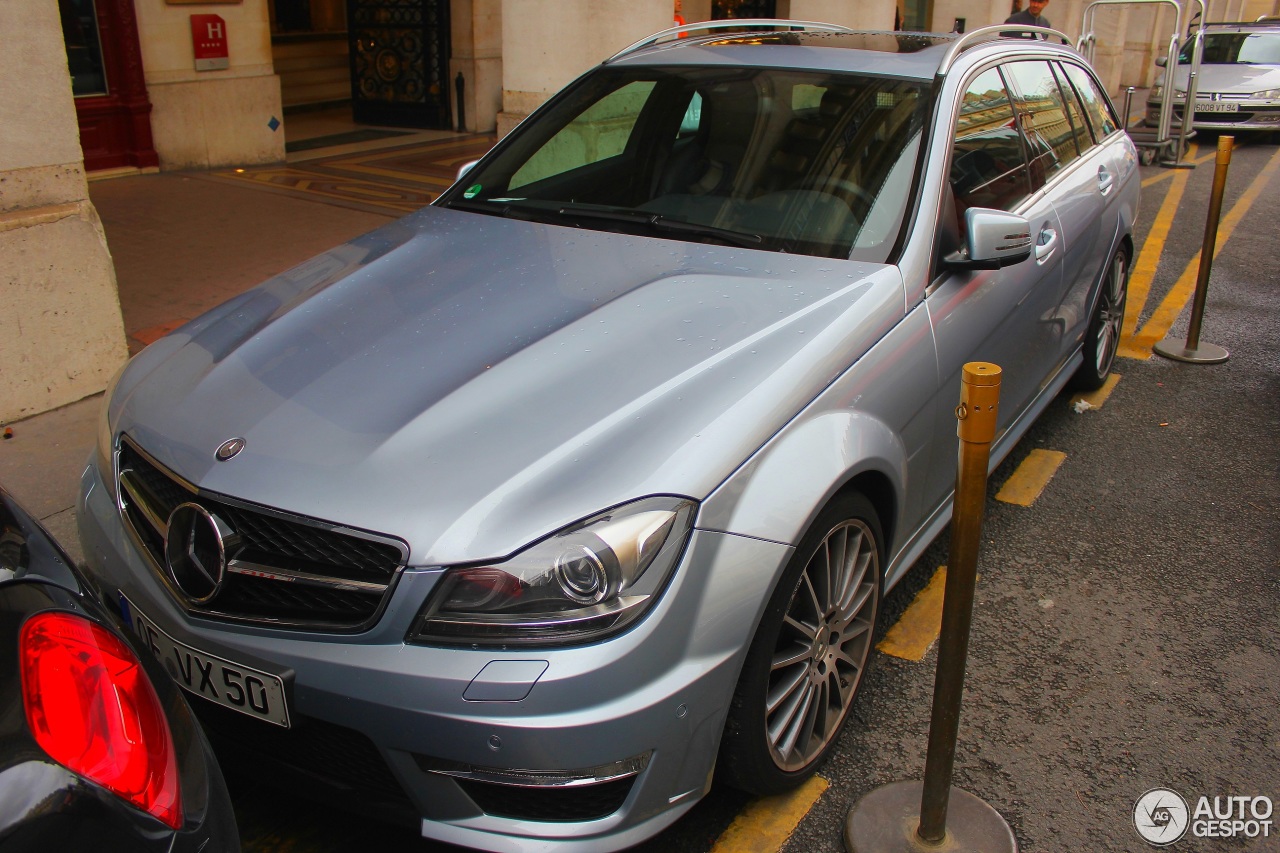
column 1224, row 118
column 336, row 757
column 289, row 571
column 579, row 802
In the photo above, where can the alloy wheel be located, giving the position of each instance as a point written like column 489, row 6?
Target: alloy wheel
column 1110, row 314
column 823, row 646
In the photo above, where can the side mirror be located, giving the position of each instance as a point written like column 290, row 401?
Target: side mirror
column 1162, row 61
column 995, row 239
column 464, row 168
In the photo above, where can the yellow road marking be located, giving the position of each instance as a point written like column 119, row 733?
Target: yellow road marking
column 766, row 823
column 912, row 635
column 1169, row 173
column 1139, row 345
column 1144, row 269
column 1095, row 399
column 1028, row 481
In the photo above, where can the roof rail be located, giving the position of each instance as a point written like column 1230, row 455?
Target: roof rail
column 983, row 34
column 749, row 23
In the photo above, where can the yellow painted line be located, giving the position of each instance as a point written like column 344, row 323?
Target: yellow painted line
column 912, row 635
column 1144, row 268
column 1191, row 157
column 1029, row 480
column 1095, row 399
column 767, row 823
column 1139, row 345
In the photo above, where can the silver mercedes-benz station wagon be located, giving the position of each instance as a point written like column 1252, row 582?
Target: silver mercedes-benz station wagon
column 521, row 516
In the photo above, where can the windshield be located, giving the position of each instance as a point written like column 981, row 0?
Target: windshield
column 796, row 161
column 1237, row 48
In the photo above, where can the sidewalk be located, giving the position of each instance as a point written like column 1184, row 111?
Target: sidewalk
column 183, row 243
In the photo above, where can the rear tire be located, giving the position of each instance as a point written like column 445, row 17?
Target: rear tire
column 1102, row 339
column 809, row 655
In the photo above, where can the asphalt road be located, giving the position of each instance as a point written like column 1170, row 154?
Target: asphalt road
column 1125, row 630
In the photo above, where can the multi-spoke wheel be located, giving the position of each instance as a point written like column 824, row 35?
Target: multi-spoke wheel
column 809, row 655
column 1102, row 338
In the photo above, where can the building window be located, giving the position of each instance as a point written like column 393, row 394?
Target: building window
column 84, row 48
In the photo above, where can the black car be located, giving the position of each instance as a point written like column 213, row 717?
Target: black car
column 98, row 748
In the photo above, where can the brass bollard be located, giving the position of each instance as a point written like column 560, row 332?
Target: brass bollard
column 1193, row 351
column 911, row 817
column 976, row 414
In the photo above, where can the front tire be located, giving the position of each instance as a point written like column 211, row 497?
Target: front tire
column 1102, row 339
column 809, row 655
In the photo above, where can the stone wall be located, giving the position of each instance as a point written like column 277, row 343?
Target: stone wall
column 61, row 336
column 206, row 119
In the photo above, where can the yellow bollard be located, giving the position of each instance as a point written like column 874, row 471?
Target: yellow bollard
column 976, row 417
column 911, row 817
column 1193, row 351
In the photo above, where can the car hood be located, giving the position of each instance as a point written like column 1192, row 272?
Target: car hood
column 471, row 384
column 1236, row 78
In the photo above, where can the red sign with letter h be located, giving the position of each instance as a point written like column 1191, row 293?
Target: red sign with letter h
column 209, row 42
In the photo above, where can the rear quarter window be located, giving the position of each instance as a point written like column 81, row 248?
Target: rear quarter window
column 1096, row 105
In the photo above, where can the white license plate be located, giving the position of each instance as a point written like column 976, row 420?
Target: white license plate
column 1217, row 107
column 232, row 685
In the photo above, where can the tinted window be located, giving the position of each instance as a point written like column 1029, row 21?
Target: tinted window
column 1096, row 105
column 796, row 161
column 1042, row 115
column 987, row 164
column 1075, row 113
column 597, row 133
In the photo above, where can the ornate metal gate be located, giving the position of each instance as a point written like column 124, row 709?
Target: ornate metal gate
column 721, row 9
column 400, row 62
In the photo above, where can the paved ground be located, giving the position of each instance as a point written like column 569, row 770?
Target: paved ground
column 1125, row 634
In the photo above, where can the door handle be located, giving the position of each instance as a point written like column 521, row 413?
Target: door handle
column 1046, row 244
column 1105, row 180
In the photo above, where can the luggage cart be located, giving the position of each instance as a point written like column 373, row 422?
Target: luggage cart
column 1158, row 142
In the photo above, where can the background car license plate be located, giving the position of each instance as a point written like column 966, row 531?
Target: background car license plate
column 1216, row 107
column 240, row 688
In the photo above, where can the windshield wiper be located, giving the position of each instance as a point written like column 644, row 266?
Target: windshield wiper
column 662, row 223
column 479, row 206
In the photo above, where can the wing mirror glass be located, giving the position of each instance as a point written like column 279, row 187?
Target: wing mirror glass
column 466, row 167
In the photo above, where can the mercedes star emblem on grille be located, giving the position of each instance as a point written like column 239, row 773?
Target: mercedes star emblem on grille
column 195, row 551
column 229, row 448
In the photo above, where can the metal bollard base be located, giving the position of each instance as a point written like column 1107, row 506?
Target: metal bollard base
column 1202, row 354
column 885, row 821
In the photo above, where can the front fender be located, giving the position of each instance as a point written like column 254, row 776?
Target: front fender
column 777, row 494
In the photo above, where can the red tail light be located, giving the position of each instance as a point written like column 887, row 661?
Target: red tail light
column 92, row 708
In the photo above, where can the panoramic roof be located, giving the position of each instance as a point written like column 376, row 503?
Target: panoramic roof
column 899, row 54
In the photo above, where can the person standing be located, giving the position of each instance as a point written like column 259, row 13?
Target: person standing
column 1031, row 15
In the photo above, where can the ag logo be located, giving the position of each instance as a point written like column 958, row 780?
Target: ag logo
column 1160, row 816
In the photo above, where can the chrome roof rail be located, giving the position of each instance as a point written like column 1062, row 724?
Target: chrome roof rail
column 984, row 34
column 749, row 23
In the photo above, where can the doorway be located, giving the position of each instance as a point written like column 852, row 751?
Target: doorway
column 400, row 62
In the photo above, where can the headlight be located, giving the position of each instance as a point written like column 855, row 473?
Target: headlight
column 591, row 579
column 106, row 439
column 1154, row 95
column 1268, row 94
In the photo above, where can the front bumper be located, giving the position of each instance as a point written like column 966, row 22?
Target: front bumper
column 494, row 772
column 1250, row 115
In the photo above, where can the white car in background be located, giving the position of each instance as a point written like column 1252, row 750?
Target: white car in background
column 1239, row 83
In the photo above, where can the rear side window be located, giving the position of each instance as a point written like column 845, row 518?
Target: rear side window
column 1096, row 105
column 1042, row 115
column 1075, row 113
column 987, row 164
